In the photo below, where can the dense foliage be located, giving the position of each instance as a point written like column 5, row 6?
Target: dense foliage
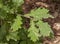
column 12, row 19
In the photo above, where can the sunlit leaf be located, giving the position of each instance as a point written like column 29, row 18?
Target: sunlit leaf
column 45, row 28
column 33, row 32
column 17, row 23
